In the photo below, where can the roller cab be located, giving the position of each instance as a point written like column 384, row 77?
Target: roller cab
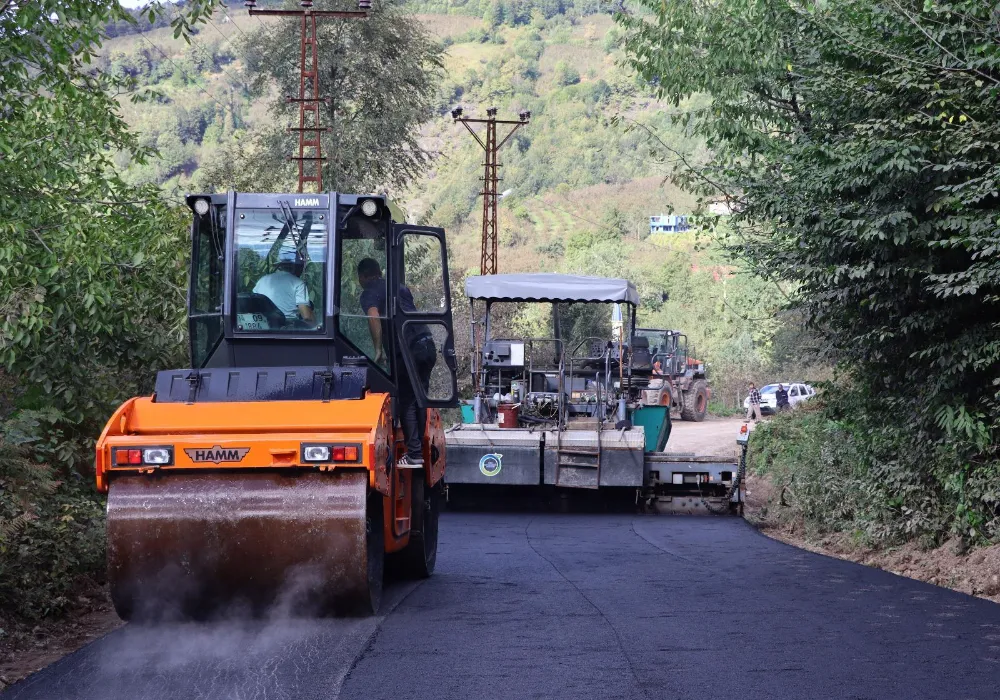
column 265, row 473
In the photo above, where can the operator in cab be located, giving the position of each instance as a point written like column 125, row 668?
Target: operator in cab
column 422, row 349
column 287, row 291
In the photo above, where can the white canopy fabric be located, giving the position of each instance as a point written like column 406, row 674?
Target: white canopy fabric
column 551, row 287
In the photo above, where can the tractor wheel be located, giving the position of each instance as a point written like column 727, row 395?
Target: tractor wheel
column 694, row 401
column 417, row 560
column 666, row 399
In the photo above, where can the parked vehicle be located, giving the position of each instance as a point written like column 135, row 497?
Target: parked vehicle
column 797, row 393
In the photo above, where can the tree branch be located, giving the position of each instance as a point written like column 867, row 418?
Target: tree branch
column 941, row 46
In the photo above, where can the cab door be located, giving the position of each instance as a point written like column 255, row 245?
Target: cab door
column 421, row 313
column 205, row 294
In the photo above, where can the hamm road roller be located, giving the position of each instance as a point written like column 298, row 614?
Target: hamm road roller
column 271, row 471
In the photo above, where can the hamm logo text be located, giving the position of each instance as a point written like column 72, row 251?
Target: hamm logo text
column 217, row 454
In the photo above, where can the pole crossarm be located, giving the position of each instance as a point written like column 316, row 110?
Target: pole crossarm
column 474, row 134
column 315, row 13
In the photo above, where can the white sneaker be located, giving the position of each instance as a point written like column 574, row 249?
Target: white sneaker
column 407, row 462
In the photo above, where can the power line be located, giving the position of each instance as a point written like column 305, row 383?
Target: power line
column 204, row 48
column 566, row 211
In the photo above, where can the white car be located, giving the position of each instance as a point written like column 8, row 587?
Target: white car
column 797, row 393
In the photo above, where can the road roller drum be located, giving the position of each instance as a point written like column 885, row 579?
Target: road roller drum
column 189, row 543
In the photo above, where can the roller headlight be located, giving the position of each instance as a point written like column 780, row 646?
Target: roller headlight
column 156, row 455
column 316, row 453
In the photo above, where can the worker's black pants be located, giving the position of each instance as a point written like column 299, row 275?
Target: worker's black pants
column 424, row 355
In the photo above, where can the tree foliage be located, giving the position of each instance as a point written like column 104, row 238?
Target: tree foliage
column 91, row 269
column 381, row 76
column 857, row 143
column 91, row 286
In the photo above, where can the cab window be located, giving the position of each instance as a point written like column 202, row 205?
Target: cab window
column 363, row 304
column 280, row 270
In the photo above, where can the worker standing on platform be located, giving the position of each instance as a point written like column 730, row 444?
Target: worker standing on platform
column 422, row 349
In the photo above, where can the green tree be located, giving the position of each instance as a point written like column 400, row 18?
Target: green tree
column 91, row 286
column 566, row 74
column 871, row 188
column 493, row 17
column 381, row 76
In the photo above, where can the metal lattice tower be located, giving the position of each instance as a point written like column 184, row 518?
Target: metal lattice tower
column 310, row 154
column 491, row 178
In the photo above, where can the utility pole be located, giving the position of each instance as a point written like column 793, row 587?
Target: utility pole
column 488, row 258
column 309, row 100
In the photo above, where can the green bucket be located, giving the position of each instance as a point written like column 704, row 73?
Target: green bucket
column 468, row 413
column 655, row 421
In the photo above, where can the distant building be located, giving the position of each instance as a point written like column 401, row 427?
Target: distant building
column 668, row 223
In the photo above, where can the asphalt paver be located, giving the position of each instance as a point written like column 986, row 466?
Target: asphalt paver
column 529, row 605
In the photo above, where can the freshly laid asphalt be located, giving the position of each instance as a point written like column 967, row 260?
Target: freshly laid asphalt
column 579, row 606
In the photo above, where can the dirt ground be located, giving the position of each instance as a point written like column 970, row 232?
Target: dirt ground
column 25, row 649
column 713, row 436
column 976, row 572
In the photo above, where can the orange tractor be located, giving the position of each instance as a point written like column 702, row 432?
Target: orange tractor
column 269, row 472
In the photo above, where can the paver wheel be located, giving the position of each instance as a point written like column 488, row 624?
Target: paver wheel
column 694, row 401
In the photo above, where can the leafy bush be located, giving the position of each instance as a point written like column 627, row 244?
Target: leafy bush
column 51, row 529
column 840, row 467
column 811, row 461
column 565, row 74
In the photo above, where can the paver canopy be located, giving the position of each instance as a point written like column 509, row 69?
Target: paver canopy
column 551, row 287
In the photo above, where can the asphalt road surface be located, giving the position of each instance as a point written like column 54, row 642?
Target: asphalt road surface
column 579, row 606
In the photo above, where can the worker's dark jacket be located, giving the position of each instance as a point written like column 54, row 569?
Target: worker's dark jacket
column 374, row 295
column 781, row 397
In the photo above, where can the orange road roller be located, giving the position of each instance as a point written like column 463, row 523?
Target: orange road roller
column 302, row 452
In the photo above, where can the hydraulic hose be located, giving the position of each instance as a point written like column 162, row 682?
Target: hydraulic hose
column 733, row 487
